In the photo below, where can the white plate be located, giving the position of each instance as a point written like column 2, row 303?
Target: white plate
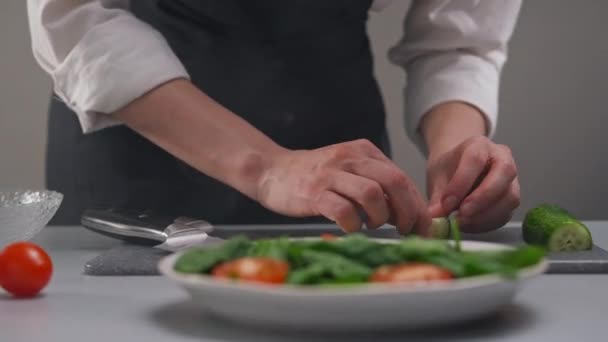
column 374, row 306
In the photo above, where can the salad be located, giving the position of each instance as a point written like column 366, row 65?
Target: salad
column 352, row 259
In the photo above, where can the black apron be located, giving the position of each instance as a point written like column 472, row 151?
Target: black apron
column 301, row 71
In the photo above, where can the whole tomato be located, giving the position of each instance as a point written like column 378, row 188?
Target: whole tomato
column 25, row 269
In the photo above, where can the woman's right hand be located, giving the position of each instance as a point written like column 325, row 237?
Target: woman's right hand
column 340, row 181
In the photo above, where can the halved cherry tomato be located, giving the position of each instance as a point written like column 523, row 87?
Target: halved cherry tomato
column 255, row 269
column 25, row 269
column 328, row 237
column 410, row 272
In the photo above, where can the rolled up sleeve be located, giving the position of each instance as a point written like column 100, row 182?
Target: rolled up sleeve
column 454, row 51
column 99, row 56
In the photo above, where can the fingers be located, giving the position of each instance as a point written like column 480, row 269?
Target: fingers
column 366, row 192
column 495, row 216
column 437, row 191
column 359, row 173
column 472, row 164
column 495, row 184
column 340, row 210
column 407, row 207
column 483, row 187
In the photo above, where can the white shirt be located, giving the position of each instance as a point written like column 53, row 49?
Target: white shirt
column 101, row 57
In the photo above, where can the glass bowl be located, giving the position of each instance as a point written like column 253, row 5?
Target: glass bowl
column 23, row 213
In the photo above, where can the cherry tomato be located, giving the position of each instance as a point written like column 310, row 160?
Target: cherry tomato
column 328, row 237
column 25, row 269
column 410, row 272
column 256, row 269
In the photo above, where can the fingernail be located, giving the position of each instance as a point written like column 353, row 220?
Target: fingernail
column 450, row 202
column 434, row 208
column 468, row 209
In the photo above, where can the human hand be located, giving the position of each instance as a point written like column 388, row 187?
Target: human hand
column 338, row 181
column 479, row 179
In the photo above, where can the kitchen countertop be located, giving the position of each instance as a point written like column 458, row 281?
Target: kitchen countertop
column 76, row 307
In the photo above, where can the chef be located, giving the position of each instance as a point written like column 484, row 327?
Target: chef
column 268, row 111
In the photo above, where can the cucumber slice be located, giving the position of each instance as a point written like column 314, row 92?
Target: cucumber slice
column 554, row 228
column 440, row 228
column 445, row 228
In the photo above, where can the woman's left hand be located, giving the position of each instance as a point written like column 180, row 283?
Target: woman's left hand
column 479, row 179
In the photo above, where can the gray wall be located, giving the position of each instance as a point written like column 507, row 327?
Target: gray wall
column 552, row 104
column 24, row 90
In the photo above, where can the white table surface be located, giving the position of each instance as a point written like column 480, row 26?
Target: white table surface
column 83, row 308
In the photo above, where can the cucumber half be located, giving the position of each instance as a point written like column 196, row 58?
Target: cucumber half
column 555, row 229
